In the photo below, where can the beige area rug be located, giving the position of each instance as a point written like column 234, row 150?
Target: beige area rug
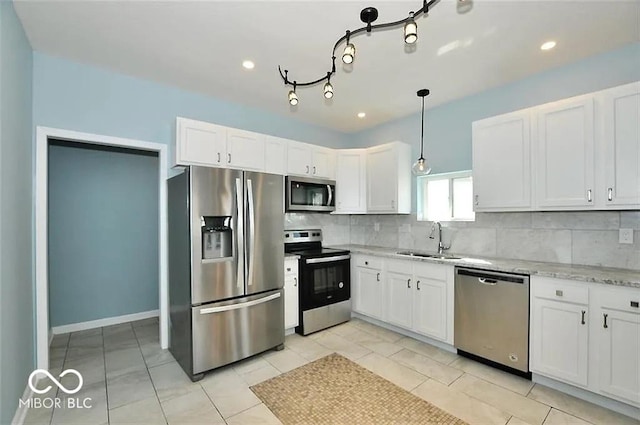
column 334, row 390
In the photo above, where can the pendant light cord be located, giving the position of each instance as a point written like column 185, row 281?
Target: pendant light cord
column 422, row 133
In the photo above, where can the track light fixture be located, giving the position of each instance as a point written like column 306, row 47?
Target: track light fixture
column 368, row 16
column 293, row 97
column 328, row 88
column 410, row 30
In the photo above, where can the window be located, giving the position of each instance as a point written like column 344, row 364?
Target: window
column 446, row 197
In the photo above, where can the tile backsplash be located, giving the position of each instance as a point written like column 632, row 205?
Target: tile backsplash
column 580, row 237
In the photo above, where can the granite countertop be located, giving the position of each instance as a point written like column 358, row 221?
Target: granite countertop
column 610, row 276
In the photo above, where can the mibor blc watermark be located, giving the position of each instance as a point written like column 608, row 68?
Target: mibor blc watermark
column 55, row 402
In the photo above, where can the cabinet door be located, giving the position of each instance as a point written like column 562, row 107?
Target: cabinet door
column 399, row 299
column 502, row 162
column 299, row 159
column 621, row 107
column 382, row 179
column 275, row 155
column 290, row 302
column 559, row 338
column 430, row 307
column 565, row 154
column 200, row 143
column 245, row 150
column 323, row 163
column 619, row 361
column 351, row 187
column 369, row 292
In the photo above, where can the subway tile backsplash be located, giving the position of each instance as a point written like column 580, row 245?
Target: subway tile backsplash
column 584, row 237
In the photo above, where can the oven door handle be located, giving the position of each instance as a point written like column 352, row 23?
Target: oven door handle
column 327, row 259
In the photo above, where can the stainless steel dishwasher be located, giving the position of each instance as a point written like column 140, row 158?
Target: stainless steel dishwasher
column 492, row 317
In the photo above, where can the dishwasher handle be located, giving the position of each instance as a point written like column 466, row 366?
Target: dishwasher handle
column 488, row 282
column 490, row 277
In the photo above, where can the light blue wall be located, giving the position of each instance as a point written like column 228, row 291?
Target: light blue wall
column 448, row 127
column 71, row 95
column 17, row 331
column 103, row 233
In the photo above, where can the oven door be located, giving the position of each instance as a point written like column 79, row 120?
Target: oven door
column 324, row 281
column 309, row 194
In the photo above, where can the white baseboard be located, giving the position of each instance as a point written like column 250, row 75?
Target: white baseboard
column 92, row 324
column 21, row 411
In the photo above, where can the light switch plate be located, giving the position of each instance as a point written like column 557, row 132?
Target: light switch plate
column 625, row 236
column 376, row 227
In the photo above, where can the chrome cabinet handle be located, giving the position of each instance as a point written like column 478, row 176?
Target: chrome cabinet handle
column 559, row 293
column 610, row 194
column 314, row 169
column 589, row 195
column 418, row 285
column 393, row 204
column 604, row 323
column 378, row 277
column 218, row 157
column 409, row 283
column 366, row 263
column 582, row 321
column 229, row 158
column 307, row 169
column 634, row 304
column 476, row 200
column 295, row 281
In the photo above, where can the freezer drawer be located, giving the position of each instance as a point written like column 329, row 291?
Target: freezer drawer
column 232, row 330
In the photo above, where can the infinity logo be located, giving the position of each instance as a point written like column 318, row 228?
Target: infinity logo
column 62, row 387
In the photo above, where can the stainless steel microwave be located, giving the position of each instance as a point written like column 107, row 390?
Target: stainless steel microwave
column 310, row 194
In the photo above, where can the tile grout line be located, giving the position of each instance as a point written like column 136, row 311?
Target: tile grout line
column 106, row 381
column 146, row 366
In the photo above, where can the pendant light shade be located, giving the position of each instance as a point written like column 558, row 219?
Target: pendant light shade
column 420, row 167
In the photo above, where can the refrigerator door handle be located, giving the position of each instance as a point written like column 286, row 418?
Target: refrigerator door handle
column 252, row 232
column 230, row 307
column 240, row 235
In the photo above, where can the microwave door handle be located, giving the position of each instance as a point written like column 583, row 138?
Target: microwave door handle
column 239, row 235
column 252, row 232
column 330, row 195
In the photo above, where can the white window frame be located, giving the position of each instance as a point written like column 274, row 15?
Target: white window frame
column 422, row 197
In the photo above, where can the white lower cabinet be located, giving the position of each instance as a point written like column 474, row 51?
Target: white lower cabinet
column 587, row 335
column 291, row 303
column 617, row 335
column 367, row 286
column 408, row 294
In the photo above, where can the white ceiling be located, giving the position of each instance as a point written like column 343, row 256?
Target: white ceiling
column 200, row 45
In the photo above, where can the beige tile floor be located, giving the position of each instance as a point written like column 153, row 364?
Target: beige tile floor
column 132, row 381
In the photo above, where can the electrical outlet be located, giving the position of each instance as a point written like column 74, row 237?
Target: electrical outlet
column 625, row 236
column 376, row 227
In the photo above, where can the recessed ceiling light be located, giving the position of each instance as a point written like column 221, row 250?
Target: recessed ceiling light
column 361, row 115
column 248, row 64
column 548, row 45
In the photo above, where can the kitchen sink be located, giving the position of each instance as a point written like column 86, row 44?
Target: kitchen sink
column 423, row 255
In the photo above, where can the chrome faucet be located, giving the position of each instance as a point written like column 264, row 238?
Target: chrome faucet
column 441, row 247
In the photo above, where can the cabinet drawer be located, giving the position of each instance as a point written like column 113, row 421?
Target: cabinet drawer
column 291, row 267
column 400, row 266
column 369, row 262
column 559, row 290
column 622, row 299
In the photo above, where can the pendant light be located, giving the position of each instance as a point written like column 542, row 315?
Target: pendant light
column 410, row 30
column 420, row 167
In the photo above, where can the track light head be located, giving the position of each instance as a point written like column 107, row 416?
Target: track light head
column 410, row 30
column 349, row 53
column 293, row 97
column 328, row 88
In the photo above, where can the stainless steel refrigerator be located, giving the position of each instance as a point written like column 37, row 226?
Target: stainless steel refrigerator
column 226, row 254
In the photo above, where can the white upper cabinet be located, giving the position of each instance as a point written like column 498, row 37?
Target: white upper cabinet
column 245, row 150
column 351, row 176
column 200, row 143
column 275, row 155
column 389, row 178
column 308, row 160
column 621, row 144
column 564, row 154
column 501, row 162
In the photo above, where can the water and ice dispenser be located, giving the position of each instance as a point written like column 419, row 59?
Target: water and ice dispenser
column 217, row 237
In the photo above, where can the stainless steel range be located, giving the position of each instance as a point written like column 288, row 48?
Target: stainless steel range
column 325, row 281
